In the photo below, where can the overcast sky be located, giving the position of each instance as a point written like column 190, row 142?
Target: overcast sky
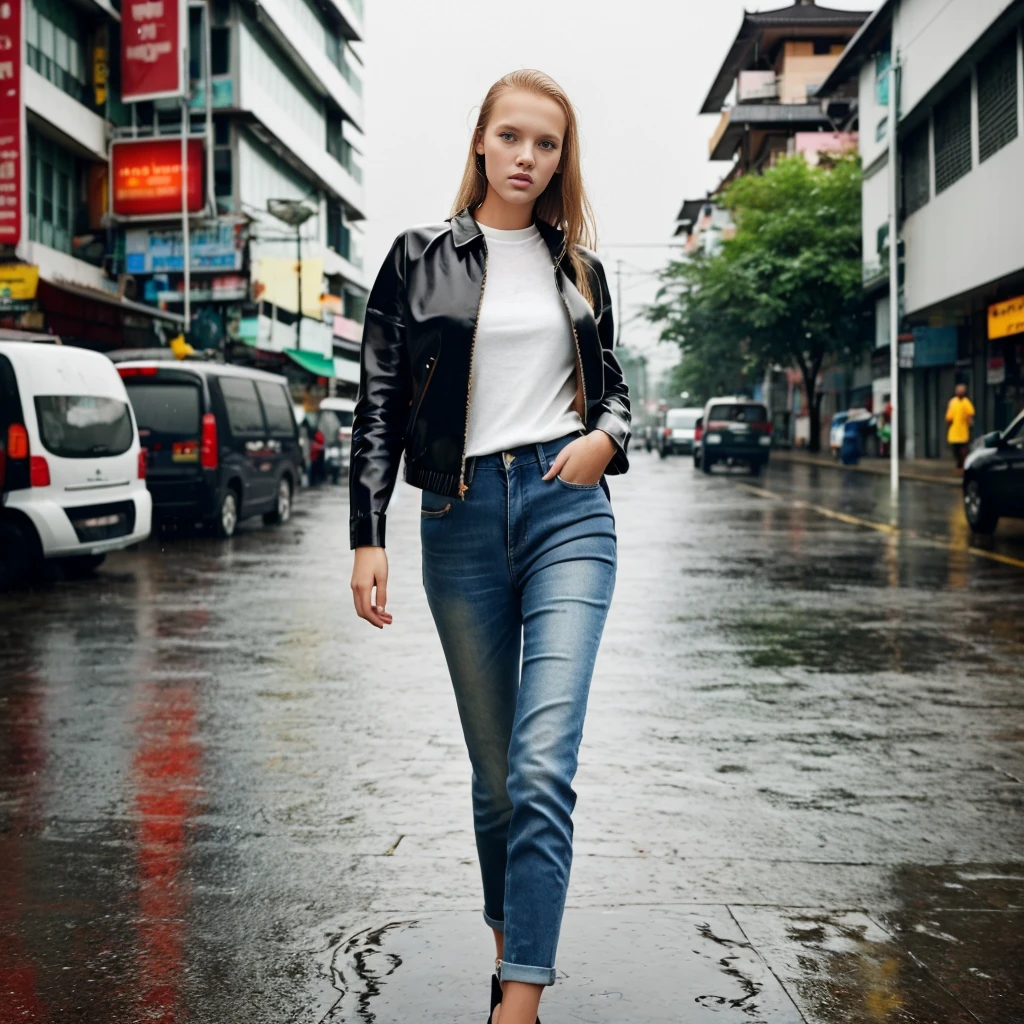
column 637, row 73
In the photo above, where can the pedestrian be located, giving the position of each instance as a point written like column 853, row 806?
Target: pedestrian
column 487, row 358
column 960, row 417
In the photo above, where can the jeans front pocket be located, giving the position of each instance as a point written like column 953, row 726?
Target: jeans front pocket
column 578, row 487
column 434, row 506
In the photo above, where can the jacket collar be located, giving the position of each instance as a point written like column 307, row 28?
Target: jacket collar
column 465, row 229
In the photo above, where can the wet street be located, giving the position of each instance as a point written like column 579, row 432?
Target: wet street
column 225, row 799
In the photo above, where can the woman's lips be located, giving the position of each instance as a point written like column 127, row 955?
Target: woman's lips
column 521, row 182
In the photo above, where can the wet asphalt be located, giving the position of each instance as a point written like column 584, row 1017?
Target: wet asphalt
column 801, row 794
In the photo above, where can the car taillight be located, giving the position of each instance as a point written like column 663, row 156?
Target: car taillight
column 39, row 472
column 718, row 425
column 208, row 454
column 17, row 441
column 698, row 433
column 143, row 460
column 137, row 371
column 765, row 428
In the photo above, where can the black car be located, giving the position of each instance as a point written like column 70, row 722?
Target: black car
column 733, row 430
column 994, row 478
column 221, row 440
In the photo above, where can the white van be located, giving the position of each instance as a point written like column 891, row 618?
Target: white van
column 72, row 471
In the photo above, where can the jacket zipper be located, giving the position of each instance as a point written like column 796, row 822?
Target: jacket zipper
column 423, row 393
column 576, row 341
column 463, row 487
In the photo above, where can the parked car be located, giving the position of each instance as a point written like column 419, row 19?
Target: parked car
column 676, row 437
column 993, row 484
column 735, row 430
column 221, row 440
column 72, row 472
column 334, row 425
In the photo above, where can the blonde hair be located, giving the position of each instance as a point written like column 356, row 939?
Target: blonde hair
column 564, row 203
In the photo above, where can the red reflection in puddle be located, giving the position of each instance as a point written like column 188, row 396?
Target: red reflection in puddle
column 166, row 768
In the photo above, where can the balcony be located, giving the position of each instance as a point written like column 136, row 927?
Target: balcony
column 774, row 118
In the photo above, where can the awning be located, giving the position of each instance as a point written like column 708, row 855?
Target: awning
column 109, row 298
column 312, row 362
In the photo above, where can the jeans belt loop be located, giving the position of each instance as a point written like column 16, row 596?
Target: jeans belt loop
column 470, row 468
column 542, row 457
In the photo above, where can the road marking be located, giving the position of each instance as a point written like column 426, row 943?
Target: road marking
column 887, row 528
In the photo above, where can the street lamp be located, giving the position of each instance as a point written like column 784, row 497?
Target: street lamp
column 294, row 212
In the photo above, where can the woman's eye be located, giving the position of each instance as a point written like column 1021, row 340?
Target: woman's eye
column 503, row 134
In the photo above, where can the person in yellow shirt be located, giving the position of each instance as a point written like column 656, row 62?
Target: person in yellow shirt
column 960, row 417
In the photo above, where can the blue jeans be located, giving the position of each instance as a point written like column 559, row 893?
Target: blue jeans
column 522, row 566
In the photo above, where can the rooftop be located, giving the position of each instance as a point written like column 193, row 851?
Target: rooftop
column 761, row 30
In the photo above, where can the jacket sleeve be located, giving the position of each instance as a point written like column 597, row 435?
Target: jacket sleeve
column 612, row 414
column 382, row 403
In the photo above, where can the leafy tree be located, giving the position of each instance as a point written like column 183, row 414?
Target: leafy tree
column 786, row 288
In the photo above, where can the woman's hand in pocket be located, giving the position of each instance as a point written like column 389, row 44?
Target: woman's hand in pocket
column 369, row 571
column 584, row 460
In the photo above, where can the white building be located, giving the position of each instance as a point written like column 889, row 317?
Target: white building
column 961, row 169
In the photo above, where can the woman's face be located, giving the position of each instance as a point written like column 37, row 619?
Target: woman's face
column 523, row 138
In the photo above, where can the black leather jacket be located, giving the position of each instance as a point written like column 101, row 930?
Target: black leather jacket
column 415, row 367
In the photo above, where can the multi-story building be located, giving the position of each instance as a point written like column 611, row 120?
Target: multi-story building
column 58, row 213
column 961, row 221
column 276, row 104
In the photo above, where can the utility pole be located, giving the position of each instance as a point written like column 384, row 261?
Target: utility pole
column 894, row 286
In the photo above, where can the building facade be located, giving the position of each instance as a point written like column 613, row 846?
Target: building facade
column 275, row 110
column 960, row 142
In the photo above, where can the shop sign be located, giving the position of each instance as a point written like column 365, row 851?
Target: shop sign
column 12, row 114
column 147, row 176
column 1006, row 318
column 152, row 48
column 224, row 288
column 18, row 282
column 218, row 247
column 935, row 346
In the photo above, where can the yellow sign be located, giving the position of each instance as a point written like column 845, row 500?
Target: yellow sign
column 1006, row 318
column 280, row 286
column 19, row 281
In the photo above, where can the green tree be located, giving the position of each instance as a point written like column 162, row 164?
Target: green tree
column 786, row 288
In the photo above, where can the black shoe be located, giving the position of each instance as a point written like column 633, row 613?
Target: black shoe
column 496, row 997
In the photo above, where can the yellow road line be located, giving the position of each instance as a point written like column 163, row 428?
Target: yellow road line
column 888, row 528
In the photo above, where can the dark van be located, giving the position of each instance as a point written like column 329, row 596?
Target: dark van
column 221, row 441
column 735, row 430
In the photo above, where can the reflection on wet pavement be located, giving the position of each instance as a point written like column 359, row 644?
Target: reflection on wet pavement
column 223, row 798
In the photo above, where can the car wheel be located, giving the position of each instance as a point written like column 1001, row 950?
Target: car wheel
column 981, row 517
column 706, row 462
column 227, row 518
column 20, row 558
column 283, row 511
column 756, row 466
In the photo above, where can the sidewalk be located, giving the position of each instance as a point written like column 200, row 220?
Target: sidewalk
column 931, row 471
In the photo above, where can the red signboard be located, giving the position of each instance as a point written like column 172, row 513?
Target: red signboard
column 11, row 115
column 146, row 176
column 152, row 36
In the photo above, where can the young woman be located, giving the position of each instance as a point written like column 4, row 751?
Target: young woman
column 487, row 360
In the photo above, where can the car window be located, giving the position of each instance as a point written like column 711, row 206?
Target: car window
column 165, row 411
column 278, row 408
column 1015, row 431
column 681, row 418
column 83, row 426
column 738, row 413
column 243, row 406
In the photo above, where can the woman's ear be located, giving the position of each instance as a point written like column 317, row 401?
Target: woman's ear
column 479, row 147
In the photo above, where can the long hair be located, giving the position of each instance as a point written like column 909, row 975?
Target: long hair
column 564, row 203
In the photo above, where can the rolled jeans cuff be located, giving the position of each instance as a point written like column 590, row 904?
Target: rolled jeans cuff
column 530, row 975
column 493, row 922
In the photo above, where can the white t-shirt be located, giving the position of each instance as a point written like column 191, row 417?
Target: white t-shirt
column 524, row 359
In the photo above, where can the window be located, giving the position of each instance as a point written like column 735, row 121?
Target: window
column 953, row 137
column 277, row 408
column 243, row 406
column 997, row 98
column 738, row 413
column 165, row 412
column 682, row 418
column 337, row 231
column 82, row 427
column 55, row 40
column 220, row 51
column 916, row 186
column 54, row 199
